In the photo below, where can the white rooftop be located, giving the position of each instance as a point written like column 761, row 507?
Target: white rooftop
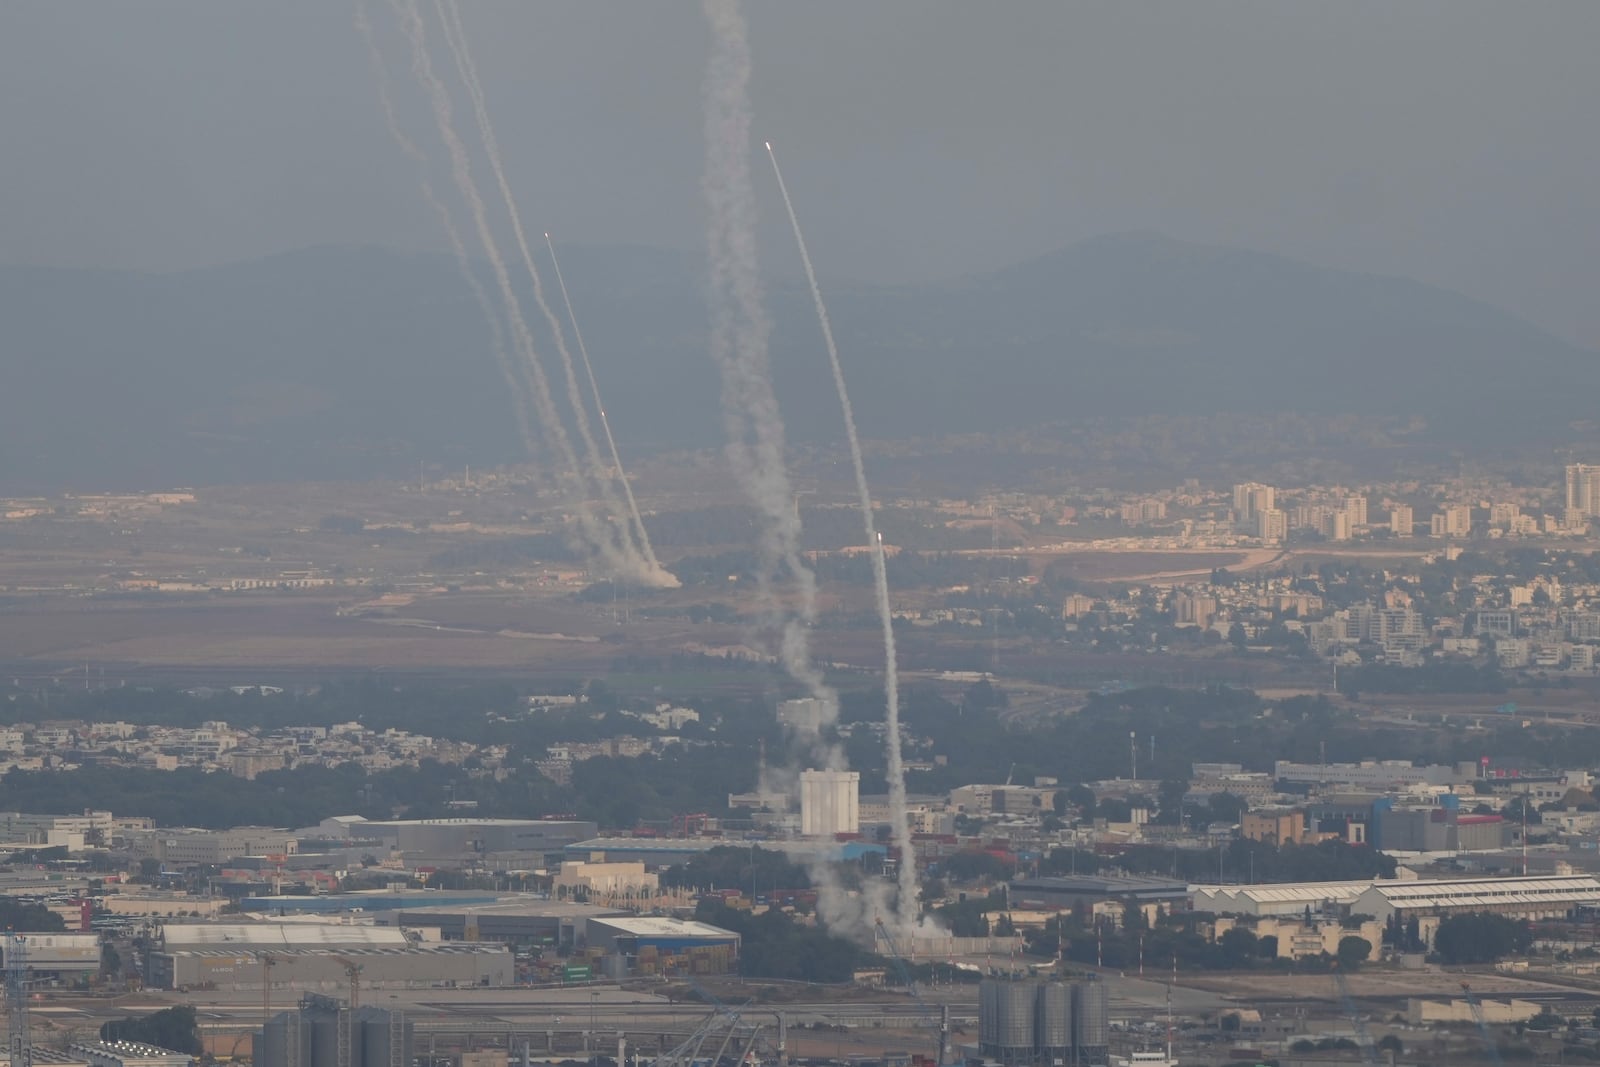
column 663, row 926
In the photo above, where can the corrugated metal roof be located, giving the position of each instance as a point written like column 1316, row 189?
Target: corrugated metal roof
column 247, row 936
column 1283, row 892
column 662, row 926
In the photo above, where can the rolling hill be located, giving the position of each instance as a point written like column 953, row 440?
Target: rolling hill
column 353, row 362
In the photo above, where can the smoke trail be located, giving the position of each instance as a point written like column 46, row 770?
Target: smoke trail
column 556, row 434
column 605, row 423
column 899, row 824
column 646, row 572
column 739, row 333
column 497, row 339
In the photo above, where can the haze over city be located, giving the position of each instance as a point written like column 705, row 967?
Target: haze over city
column 891, row 535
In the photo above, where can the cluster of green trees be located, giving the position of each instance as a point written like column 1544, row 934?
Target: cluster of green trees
column 28, row 918
column 1481, row 937
column 745, row 869
column 173, row 1028
column 774, row 945
column 1428, row 678
column 978, row 740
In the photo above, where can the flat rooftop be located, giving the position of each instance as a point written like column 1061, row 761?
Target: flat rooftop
column 663, row 926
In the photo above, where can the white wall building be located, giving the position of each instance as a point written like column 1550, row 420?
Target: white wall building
column 830, row 803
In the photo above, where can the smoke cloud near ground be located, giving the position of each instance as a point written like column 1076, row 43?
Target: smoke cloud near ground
column 740, row 331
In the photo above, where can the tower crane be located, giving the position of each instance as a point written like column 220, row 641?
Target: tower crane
column 352, row 971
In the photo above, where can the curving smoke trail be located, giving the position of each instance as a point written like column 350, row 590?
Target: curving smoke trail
column 605, row 423
column 645, row 571
column 593, row 531
column 458, row 248
column 739, row 335
column 899, row 825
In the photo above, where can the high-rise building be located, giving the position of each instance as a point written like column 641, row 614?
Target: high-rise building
column 830, row 803
column 1453, row 520
column 1402, row 522
column 1503, row 516
column 1272, row 526
column 1356, row 508
column 1194, row 609
column 1251, row 499
column 1583, row 489
column 1336, row 525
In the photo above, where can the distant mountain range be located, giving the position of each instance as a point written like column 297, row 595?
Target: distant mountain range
column 341, row 362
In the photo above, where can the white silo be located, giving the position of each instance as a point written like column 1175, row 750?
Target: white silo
column 830, row 803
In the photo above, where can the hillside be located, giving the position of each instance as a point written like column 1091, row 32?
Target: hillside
column 339, row 362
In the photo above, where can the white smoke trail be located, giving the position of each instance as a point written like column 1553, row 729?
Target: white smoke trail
column 898, row 822
column 605, row 423
column 497, row 339
column 594, row 533
column 739, row 333
column 643, row 571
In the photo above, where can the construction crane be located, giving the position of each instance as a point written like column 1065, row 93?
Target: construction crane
column 1483, row 1026
column 267, row 961
column 1369, row 1051
column 942, row 1021
column 21, row 1033
column 352, row 971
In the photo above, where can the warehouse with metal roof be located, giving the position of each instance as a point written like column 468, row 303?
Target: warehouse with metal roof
column 1281, row 899
column 1528, row 898
column 301, row 957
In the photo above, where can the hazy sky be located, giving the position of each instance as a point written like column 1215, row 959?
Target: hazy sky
column 1452, row 141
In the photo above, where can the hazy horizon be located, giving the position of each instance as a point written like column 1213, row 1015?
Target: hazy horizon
column 1445, row 142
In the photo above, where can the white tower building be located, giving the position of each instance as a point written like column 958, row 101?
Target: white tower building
column 830, row 803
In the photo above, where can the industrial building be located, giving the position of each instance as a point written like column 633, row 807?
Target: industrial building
column 1440, row 829
column 316, row 956
column 1285, row 899
column 325, row 1033
column 369, row 901
column 448, row 842
column 1028, row 1022
column 1065, row 892
column 525, row 922
column 1523, row 898
column 1298, row 937
column 661, row 852
column 651, row 851
column 1376, row 820
column 830, row 803
column 184, row 847
column 56, row 954
column 605, row 882
column 661, row 945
